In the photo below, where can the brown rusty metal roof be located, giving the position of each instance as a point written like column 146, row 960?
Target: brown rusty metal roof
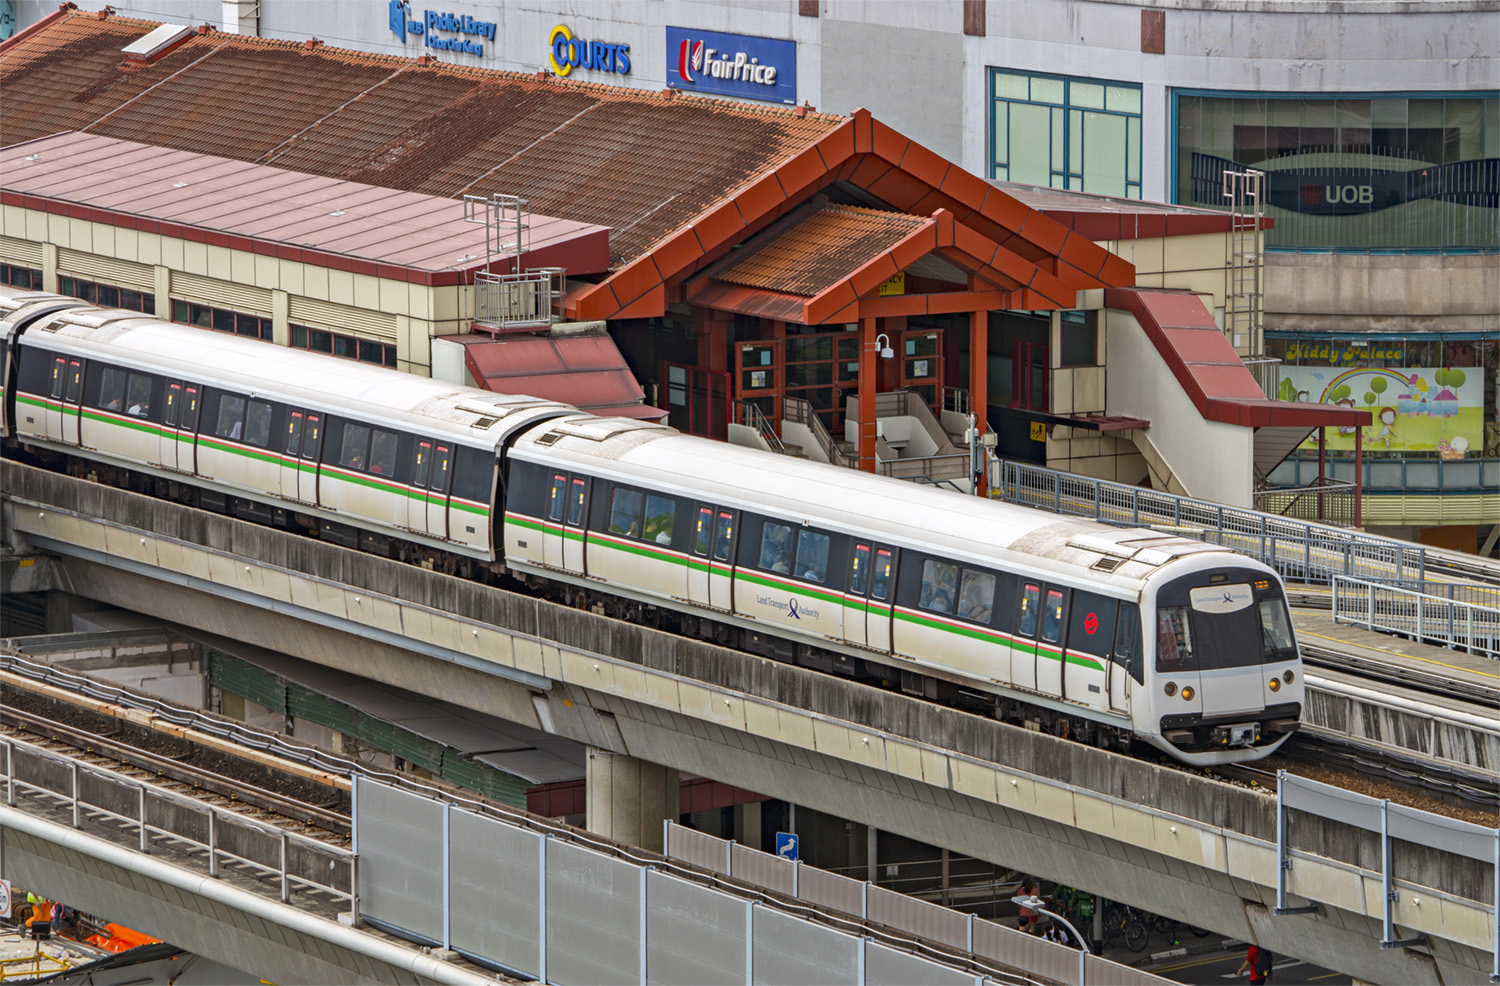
column 586, row 371
column 816, row 247
column 639, row 162
column 324, row 217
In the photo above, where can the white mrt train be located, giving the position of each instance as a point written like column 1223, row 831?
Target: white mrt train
column 1086, row 630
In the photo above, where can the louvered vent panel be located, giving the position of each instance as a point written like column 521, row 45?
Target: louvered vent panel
column 20, row 252
column 222, row 294
column 124, row 273
column 341, row 318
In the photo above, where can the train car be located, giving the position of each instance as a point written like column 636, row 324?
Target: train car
column 1067, row 625
column 1039, row 619
column 268, row 433
column 18, row 309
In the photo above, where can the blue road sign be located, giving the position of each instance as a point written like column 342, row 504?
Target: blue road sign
column 786, row 845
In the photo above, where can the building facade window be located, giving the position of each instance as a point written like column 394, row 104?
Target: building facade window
column 1079, row 338
column 1080, row 134
column 221, row 320
column 21, row 277
column 1351, row 173
column 344, row 346
column 107, row 295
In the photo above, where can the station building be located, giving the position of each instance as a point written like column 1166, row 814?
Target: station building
column 773, row 275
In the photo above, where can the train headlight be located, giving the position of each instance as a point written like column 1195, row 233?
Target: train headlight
column 1187, row 693
column 1275, row 684
column 1171, row 688
column 1289, row 676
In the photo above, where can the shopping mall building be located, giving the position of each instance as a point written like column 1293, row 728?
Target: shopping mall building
column 1376, row 124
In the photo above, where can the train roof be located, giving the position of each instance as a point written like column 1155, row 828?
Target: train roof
column 312, row 380
column 857, row 502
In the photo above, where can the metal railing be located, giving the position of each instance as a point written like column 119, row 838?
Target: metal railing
column 1380, row 472
column 1422, row 617
column 1330, row 502
column 517, row 301
column 750, row 416
column 113, row 804
column 800, row 411
column 1298, row 549
column 1267, row 373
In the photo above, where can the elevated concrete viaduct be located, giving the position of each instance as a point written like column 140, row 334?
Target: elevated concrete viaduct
column 1178, row 844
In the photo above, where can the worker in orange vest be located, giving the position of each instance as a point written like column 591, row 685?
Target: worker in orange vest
column 40, row 922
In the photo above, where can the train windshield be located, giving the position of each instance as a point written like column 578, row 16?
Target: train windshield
column 1221, row 625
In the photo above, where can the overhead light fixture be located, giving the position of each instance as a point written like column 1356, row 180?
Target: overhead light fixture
column 883, row 346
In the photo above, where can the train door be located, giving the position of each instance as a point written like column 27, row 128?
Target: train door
column 65, row 390
column 309, row 457
column 1127, row 657
column 721, row 565
column 72, row 398
column 1023, row 645
column 187, row 428
column 421, row 477
column 291, row 458
column 575, row 536
column 882, row 598
column 437, row 490
column 552, row 523
column 699, row 565
column 171, row 421
column 856, row 597
column 1049, row 647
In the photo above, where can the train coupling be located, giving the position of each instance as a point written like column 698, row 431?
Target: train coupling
column 1237, row 734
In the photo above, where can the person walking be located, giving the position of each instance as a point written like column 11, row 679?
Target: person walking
column 1260, row 962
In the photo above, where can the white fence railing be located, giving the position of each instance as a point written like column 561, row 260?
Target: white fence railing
column 1422, row 617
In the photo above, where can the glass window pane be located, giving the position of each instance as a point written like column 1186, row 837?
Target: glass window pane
column 1052, row 619
column 443, row 459
column 976, row 596
column 111, row 390
column 859, row 569
column 75, row 381
column 625, row 513
column 1089, row 95
column 1047, row 90
column 422, row 466
column 346, row 347
column 231, row 417
column 109, row 296
column 299, row 336
column 371, row 352
column 258, row 424
column 1031, row 142
column 179, row 311
column 320, row 342
column 220, row 320
column 139, row 401
column 1008, row 85
column 1031, row 598
column 1103, row 165
column 1174, row 641
column 1000, row 130
column 660, row 512
column 383, row 449
column 812, row 556
column 355, row 446
column 294, row 433
column 390, row 356
column 575, row 503
column 724, row 537
column 703, row 532
column 939, row 584
column 776, row 548
column 1122, row 99
column 310, row 441
column 881, row 586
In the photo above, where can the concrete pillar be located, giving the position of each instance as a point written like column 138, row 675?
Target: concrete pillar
column 61, row 607
column 281, row 320
column 627, row 798
column 162, row 280
column 49, row 267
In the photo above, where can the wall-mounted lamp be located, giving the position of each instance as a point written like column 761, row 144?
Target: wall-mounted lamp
column 883, row 346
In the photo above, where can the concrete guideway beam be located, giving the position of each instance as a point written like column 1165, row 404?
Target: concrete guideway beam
column 1193, row 849
column 628, row 798
column 267, row 938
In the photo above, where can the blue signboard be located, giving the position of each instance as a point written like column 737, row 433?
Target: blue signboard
column 786, row 845
column 732, row 65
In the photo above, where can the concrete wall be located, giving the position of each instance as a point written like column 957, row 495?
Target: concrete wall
column 1362, row 293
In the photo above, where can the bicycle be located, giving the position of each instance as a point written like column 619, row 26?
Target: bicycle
column 1125, row 925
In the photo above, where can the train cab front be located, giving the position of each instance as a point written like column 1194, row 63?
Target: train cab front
column 1227, row 673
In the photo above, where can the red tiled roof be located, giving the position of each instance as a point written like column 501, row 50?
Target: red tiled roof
column 638, row 162
column 323, row 217
column 586, row 371
column 817, row 248
column 1209, row 370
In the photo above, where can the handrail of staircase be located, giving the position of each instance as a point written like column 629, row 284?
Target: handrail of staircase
column 956, row 399
column 800, row 410
column 749, row 415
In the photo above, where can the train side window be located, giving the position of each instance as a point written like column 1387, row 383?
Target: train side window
column 384, row 447
column 294, row 432
column 939, row 579
column 111, row 391
column 776, row 548
column 625, row 513
column 880, row 586
column 812, row 556
column 703, row 533
column 258, row 424
column 231, row 417
column 355, row 447
column 312, row 437
column 1174, row 640
column 1091, row 623
column 190, row 411
column 59, row 370
column 1128, row 640
column 174, row 404
column 976, row 596
column 442, row 468
column 1052, row 620
column 139, row 402
column 724, row 536
column 575, row 502
column 859, row 569
column 661, row 511
column 1031, row 599
column 75, row 381
column 556, row 496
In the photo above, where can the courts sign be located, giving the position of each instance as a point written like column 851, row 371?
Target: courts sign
column 732, row 65
column 569, row 53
